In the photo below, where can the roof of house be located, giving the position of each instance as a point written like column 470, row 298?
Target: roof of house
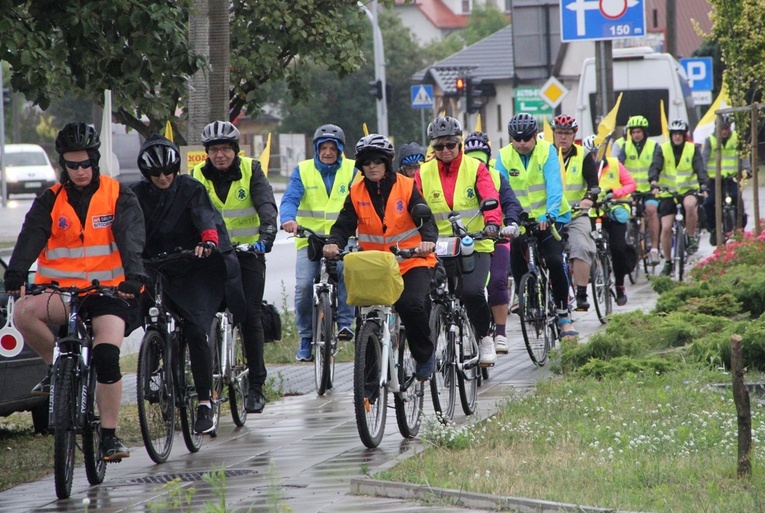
column 687, row 38
column 437, row 13
column 489, row 59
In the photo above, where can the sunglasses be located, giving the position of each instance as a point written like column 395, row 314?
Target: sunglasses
column 76, row 165
column 524, row 139
column 448, row 146
column 376, row 162
column 165, row 172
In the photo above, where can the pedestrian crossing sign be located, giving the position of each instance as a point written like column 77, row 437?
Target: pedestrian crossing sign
column 422, row 96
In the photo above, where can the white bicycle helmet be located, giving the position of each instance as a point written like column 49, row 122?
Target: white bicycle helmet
column 589, row 143
column 678, row 125
column 220, row 132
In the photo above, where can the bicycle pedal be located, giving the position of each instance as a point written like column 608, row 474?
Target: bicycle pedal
column 486, row 365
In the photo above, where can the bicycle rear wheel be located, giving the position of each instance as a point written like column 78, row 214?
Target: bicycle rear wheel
column 444, row 381
column 599, row 283
column 216, row 397
column 239, row 385
column 188, row 400
column 95, row 464
column 156, row 397
column 369, row 398
column 532, row 311
column 65, row 393
column 467, row 378
column 324, row 359
column 634, row 239
column 408, row 403
column 679, row 257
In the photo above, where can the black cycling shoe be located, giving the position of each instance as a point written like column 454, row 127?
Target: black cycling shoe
column 255, row 402
column 43, row 387
column 204, row 423
column 581, row 303
column 113, row 449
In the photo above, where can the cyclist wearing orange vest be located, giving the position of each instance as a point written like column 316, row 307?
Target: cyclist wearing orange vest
column 379, row 207
column 87, row 227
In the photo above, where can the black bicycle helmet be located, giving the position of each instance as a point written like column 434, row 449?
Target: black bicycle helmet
column 444, row 126
column 76, row 137
column 410, row 154
column 220, row 132
column 329, row 132
column 565, row 122
column 522, row 125
column 158, row 155
column 478, row 141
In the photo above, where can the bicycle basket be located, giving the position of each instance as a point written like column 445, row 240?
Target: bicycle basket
column 372, row 278
column 315, row 248
column 447, row 247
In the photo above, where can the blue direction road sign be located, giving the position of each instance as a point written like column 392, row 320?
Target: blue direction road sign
column 699, row 72
column 590, row 20
column 422, row 96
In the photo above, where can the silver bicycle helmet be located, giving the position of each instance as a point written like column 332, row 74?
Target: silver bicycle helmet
column 220, row 132
column 678, row 125
column 444, row 126
column 589, row 143
column 329, row 132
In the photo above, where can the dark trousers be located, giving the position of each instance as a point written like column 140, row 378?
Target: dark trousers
column 474, row 295
column 253, row 283
column 709, row 204
column 414, row 309
column 552, row 252
column 201, row 358
column 617, row 243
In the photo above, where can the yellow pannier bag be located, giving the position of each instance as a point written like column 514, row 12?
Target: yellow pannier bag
column 372, row 278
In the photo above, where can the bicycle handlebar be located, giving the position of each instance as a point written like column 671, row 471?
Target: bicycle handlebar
column 34, row 289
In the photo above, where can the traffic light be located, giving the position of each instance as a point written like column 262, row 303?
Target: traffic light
column 476, row 95
column 459, row 85
column 6, row 95
column 375, row 89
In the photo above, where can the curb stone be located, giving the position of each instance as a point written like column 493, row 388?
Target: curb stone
column 426, row 494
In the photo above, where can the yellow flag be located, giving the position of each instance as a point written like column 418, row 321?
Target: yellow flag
column 169, row 131
column 265, row 155
column 366, row 130
column 606, row 128
column 478, row 123
column 664, row 129
column 547, row 131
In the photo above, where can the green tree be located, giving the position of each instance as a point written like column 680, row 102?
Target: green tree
column 346, row 102
column 485, row 19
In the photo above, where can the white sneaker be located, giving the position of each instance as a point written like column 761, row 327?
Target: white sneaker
column 488, row 356
column 500, row 344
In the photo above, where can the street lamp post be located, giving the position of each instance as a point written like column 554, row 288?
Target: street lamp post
column 379, row 55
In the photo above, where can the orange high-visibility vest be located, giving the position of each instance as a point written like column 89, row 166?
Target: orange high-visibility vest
column 399, row 226
column 75, row 255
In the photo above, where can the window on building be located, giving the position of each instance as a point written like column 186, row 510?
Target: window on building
column 508, row 6
column 467, row 6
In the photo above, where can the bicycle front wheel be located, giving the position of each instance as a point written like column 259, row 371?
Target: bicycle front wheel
column 408, row 403
column 65, row 393
column 95, row 465
column 188, row 400
column 239, row 384
column 443, row 384
column 156, row 397
column 634, row 239
column 370, row 399
column 467, row 377
column 324, row 359
column 679, row 260
column 216, row 397
column 532, row 311
column 600, row 285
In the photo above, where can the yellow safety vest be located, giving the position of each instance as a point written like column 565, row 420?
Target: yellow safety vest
column 638, row 165
column 317, row 210
column 239, row 214
column 679, row 178
column 465, row 200
column 609, row 179
column 575, row 186
column 528, row 182
column 729, row 163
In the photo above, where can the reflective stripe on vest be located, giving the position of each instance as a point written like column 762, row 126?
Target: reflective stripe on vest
column 638, row 165
column 239, row 214
column 678, row 178
column 317, row 210
column 531, row 178
column 464, row 201
column 75, row 255
column 398, row 229
column 575, row 186
column 729, row 162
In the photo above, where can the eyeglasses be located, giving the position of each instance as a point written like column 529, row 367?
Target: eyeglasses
column 376, row 162
column 448, row 146
column 524, row 139
column 411, row 167
column 224, row 150
column 76, row 165
column 156, row 172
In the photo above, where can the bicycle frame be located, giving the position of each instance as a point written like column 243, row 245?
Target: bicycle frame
column 389, row 322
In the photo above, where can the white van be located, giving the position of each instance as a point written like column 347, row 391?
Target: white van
column 28, row 169
column 645, row 77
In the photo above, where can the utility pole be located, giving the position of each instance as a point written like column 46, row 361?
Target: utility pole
column 379, row 55
column 604, row 73
column 671, row 28
column 3, row 184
